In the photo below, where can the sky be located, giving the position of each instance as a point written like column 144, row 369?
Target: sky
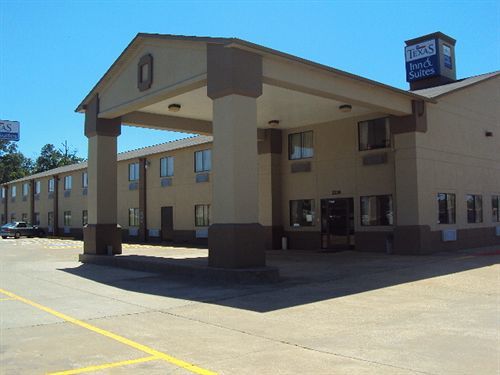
column 53, row 52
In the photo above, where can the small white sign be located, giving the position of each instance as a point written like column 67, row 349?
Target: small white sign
column 420, row 50
column 9, row 130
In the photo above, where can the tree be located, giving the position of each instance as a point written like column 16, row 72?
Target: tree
column 13, row 164
column 51, row 158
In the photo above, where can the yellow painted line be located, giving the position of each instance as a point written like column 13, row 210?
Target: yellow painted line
column 146, row 349
column 104, row 366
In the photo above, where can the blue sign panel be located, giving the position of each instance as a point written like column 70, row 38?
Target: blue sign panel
column 422, row 60
column 9, row 130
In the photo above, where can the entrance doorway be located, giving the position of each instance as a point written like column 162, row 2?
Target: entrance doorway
column 167, row 223
column 337, row 223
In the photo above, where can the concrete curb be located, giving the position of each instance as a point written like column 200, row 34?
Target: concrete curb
column 168, row 267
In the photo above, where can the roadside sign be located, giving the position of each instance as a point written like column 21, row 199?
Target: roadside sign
column 9, row 130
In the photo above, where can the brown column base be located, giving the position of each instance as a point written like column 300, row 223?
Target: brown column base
column 97, row 238
column 236, row 246
column 412, row 239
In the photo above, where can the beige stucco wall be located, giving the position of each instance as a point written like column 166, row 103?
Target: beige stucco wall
column 455, row 156
column 43, row 204
column 21, row 205
column 175, row 65
column 336, row 165
column 75, row 203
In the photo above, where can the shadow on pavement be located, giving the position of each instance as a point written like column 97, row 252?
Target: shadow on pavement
column 306, row 277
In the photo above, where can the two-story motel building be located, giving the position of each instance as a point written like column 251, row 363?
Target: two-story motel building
column 288, row 147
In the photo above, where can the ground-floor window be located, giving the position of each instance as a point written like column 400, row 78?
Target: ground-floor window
column 36, row 219
column 376, row 210
column 495, row 208
column 474, row 208
column 302, row 213
column 202, row 215
column 446, row 207
column 85, row 217
column 133, row 217
column 67, row 218
column 24, row 217
column 12, row 217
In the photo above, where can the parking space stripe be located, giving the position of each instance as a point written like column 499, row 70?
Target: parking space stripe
column 105, row 366
column 146, row 349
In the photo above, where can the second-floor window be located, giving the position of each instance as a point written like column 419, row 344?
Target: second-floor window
column 13, row 191
column 51, row 185
column 68, row 182
column 38, row 187
column 133, row 172
column 26, row 189
column 203, row 161
column 374, row 134
column 300, row 145
column 167, row 166
column 3, row 192
column 85, row 180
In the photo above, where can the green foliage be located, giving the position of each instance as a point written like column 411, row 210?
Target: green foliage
column 51, row 158
column 13, row 164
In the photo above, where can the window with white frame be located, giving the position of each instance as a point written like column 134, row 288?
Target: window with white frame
column 446, row 208
column 300, row 145
column 167, row 166
column 202, row 215
column 13, row 191
column 495, row 208
column 68, row 182
column 133, row 172
column 133, row 217
column 51, row 185
column 3, row 192
column 85, row 180
column 38, row 187
column 474, row 208
column 203, row 161
column 26, row 189
column 374, row 134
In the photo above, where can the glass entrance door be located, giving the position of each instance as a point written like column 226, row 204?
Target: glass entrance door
column 337, row 223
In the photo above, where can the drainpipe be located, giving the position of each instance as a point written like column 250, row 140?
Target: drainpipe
column 143, row 211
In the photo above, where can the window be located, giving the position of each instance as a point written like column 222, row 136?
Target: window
column 67, row 218
column 495, row 208
column 374, row 134
column 203, row 161
column 12, row 217
column 302, row 213
column 24, row 217
column 3, row 192
column 474, row 208
column 202, row 215
column 133, row 217
column 26, row 189
column 85, row 217
column 68, row 182
column 13, row 191
column 37, row 218
column 300, row 145
column 133, row 171
column 50, row 219
column 38, row 187
column 167, row 166
column 51, row 185
column 446, row 208
column 85, row 180
column 376, row 210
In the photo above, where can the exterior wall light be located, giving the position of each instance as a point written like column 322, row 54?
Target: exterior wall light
column 274, row 123
column 345, row 108
column 488, row 133
column 174, row 107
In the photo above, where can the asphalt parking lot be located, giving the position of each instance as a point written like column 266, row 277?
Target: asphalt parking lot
column 334, row 313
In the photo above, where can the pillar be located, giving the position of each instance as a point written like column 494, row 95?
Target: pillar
column 235, row 237
column 102, row 233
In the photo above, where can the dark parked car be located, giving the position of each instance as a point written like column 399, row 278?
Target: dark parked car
column 17, row 229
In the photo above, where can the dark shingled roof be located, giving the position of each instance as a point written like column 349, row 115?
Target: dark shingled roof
column 127, row 155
